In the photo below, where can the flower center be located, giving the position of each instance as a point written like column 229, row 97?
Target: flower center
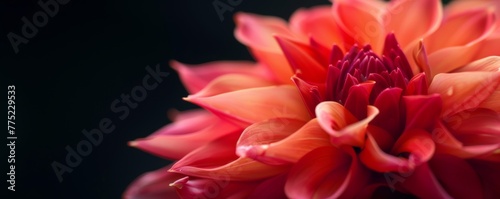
column 362, row 65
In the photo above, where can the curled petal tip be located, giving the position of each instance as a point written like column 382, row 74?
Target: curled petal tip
column 251, row 151
column 179, row 183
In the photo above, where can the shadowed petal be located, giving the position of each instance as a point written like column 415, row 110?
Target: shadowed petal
column 153, row 185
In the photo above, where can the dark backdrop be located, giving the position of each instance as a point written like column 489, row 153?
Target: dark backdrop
column 83, row 59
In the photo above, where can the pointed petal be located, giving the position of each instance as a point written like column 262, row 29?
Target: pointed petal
column 374, row 158
column 264, row 103
column 196, row 77
column 231, row 82
column 153, row 185
column 302, row 60
column 311, row 94
column 186, row 122
column 342, row 125
column 177, row 146
column 412, row 20
column 460, row 180
column 288, row 150
column 465, row 90
column 358, row 98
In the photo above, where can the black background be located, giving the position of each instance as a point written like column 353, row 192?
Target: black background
column 86, row 56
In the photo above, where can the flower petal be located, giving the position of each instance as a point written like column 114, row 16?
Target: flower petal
column 264, row 103
column 422, row 111
column 217, row 160
column 412, row 20
column 344, row 128
column 302, row 60
column 177, row 146
column 390, row 117
column 423, row 184
column 491, row 64
column 339, row 175
column 465, row 90
column 212, row 188
column 196, row 77
column 317, row 22
column 231, row 82
column 365, row 28
column 153, row 185
column 459, row 180
column 287, row 150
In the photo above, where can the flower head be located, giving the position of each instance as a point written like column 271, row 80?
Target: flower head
column 359, row 99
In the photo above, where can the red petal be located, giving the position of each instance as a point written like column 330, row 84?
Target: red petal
column 422, row 111
column 459, row 180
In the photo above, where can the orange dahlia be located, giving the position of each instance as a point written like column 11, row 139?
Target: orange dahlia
column 361, row 99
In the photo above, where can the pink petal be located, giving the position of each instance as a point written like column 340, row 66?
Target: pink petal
column 253, row 105
column 488, row 47
column 177, row 146
column 186, row 122
column 212, row 188
column 374, row 158
column 153, row 185
column 365, row 28
column 264, row 148
column 465, row 90
column 231, row 82
column 196, row 77
column 412, row 20
column 344, row 128
column 317, row 22
column 459, row 180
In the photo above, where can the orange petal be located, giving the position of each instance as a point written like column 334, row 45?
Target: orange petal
column 491, row 64
column 412, row 20
column 286, row 150
column 365, row 28
column 317, row 22
column 465, row 90
column 177, row 146
column 196, row 77
column 344, row 128
column 231, row 82
column 253, row 105
column 376, row 159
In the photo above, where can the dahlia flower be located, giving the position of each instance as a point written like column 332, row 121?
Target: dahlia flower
column 360, row 99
